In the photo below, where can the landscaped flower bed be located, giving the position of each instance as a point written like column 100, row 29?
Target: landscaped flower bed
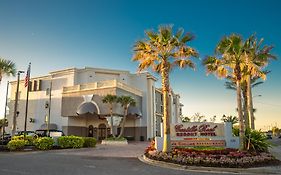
column 231, row 158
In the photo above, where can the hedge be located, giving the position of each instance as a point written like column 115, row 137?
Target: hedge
column 70, row 142
column 89, row 142
column 44, row 143
column 28, row 139
column 16, row 145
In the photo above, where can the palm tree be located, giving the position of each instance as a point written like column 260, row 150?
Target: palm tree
column 231, row 84
column 110, row 100
column 125, row 102
column 162, row 51
column 231, row 119
column 7, row 67
column 230, row 61
column 257, row 57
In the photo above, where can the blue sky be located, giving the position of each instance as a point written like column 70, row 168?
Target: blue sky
column 61, row 34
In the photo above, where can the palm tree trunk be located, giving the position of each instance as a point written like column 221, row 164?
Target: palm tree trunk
column 245, row 109
column 166, row 117
column 250, row 102
column 123, row 122
column 111, row 122
column 240, row 116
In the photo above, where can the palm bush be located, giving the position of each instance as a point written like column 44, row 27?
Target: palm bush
column 255, row 140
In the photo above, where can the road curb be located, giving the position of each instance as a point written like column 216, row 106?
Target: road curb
column 257, row 171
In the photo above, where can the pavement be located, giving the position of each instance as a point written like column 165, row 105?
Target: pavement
column 133, row 149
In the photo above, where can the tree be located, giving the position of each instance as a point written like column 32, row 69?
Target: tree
column 231, row 84
column 162, row 51
column 257, row 57
column 7, row 67
column 230, row 61
column 275, row 131
column 197, row 117
column 125, row 102
column 230, row 118
column 110, row 100
column 213, row 119
column 185, row 119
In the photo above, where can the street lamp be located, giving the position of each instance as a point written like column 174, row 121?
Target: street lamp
column 16, row 104
column 257, row 96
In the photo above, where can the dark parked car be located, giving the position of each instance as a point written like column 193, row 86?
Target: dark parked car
column 268, row 136
column 6, row 139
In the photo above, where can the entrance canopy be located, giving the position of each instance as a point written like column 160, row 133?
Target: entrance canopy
column 87, row 107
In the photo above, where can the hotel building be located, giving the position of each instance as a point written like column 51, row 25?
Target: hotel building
column 71, row 100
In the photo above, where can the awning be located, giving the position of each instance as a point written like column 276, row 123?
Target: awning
column 133, row 110
column 51, row 126
column 87, row 107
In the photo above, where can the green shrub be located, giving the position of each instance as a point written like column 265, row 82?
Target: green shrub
column 89, row 142
column 70, row 142
column 44, row 143
column 28, row 139
column 16, row 145
column 254, row 140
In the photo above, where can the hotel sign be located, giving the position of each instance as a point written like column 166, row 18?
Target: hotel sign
column 197, row 134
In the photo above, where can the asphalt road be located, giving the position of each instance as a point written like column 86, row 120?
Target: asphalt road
column 56, row 163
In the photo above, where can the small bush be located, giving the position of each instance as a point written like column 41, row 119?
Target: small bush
column 254, row 140
column 89, row 142
column 16, row 145
column 44, row 143
column 28, row 139
column 70, row 142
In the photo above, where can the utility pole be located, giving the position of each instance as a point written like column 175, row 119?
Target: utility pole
column 16, row 105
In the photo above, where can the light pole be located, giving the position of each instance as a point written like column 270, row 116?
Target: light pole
column 49, row 111
column 16, row 105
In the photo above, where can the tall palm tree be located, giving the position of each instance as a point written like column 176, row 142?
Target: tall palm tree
column 257, row 57
column 7, row 67
column 231, row 84
column 125, row 102
column 162, row 51
column 110, row 100
column 230, row 61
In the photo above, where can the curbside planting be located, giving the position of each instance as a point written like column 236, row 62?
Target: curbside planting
column 219, row 170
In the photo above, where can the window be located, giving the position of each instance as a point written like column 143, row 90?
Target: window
column 35, row 85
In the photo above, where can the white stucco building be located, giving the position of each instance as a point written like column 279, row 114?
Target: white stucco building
column 76, row 107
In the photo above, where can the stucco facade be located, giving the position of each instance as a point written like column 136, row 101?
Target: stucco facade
column 72, row 88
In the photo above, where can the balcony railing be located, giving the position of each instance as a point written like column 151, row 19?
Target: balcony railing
column 101, row 85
